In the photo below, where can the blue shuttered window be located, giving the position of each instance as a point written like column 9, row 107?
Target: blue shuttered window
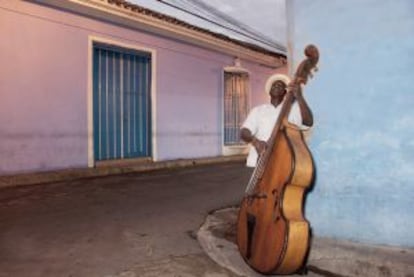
column 235, row 105
column 121, row 103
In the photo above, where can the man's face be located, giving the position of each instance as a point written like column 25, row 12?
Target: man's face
column 278, row 89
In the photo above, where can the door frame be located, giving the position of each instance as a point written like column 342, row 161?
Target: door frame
column 229, row 150
column 121, row 44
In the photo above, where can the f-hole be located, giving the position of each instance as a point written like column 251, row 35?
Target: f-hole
column 251, row 224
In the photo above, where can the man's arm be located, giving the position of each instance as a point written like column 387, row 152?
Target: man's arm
column 305, row 111
column 248, row 137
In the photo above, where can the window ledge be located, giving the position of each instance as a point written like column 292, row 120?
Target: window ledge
column 229, row 150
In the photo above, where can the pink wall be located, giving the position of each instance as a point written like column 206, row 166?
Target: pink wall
column 43, row 86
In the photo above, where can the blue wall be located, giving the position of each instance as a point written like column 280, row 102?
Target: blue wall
column 363, row 104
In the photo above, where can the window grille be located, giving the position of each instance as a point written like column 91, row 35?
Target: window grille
column 235, row 105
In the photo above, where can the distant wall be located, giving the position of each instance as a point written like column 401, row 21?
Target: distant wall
column 44, row 86
column 362, row 99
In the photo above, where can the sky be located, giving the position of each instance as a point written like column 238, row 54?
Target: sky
column 267, row 17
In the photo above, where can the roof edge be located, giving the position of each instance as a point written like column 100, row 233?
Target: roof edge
column 140, row 18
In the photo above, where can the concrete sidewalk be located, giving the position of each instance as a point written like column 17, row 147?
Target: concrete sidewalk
column 147, row 224
column 327, row 257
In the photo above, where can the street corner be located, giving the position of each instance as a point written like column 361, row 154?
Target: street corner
column 217, row 237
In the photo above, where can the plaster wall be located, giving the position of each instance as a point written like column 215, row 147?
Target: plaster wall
column 362, row 99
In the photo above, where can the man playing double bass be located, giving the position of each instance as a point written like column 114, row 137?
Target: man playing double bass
column 273, row 236
column 259, row 124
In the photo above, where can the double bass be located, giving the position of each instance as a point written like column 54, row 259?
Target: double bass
column 273, row 235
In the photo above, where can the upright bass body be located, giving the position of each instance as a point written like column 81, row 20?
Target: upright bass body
column 273, row 235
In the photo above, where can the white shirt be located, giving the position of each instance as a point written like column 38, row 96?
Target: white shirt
column 261, row 121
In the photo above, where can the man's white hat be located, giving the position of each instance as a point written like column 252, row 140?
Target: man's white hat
column 276, row 77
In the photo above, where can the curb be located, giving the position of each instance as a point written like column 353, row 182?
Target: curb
column 100, row 171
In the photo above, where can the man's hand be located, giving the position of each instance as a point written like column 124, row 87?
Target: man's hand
column 248, row 137
column 296, row 91
column 259, row 145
